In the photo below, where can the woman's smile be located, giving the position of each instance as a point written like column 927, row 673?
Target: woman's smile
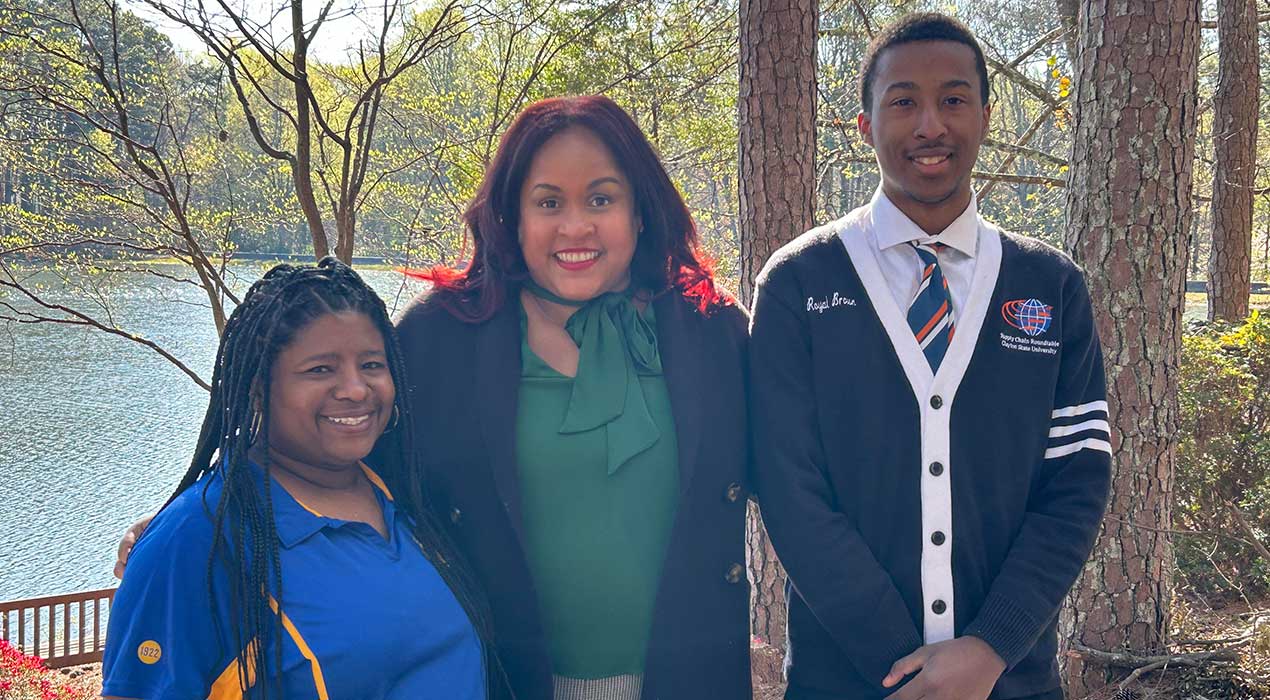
column 355, row 421
column 577, row 259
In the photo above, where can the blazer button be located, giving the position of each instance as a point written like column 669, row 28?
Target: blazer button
column 937, row 537
column 455, row 515
column 936, row 401
column 735, row 572
column 733, row 493
column 938, row 607
column 936, row 469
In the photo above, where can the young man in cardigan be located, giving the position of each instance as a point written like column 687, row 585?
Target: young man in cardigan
column 931, row 434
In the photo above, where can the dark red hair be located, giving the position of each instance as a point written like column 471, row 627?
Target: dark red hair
column 667, row 257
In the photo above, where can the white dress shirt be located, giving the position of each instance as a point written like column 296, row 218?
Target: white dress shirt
column 889, row 239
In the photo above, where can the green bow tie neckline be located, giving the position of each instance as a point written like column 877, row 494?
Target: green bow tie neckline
column 616, row 344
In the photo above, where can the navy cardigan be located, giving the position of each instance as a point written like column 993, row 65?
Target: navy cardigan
column 911, row 507
column 464, row 380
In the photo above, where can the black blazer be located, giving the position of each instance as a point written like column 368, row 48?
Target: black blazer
column 464, row 381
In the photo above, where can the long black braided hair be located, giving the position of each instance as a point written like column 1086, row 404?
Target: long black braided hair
column 275, row 308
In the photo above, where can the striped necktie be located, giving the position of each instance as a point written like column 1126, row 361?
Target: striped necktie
column 930, row 314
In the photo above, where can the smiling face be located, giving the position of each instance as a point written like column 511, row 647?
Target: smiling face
column 331, row 393
column 578, row 219
column 926, row 124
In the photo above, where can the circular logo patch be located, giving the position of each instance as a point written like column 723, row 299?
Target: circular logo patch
column 149, row 652
column 1028, row 315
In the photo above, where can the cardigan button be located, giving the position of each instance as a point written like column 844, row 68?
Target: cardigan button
column 938, row 607
column 936, row 401
column 735, row 572
column 455, row 515
column 936, row 469
column 937, row 538
column 733, row 492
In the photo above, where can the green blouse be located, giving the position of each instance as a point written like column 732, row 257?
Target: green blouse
column 599, row 477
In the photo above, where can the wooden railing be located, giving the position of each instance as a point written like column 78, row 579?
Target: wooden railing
column 64, row 630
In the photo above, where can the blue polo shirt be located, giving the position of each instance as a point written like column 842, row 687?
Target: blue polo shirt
column 362, row 616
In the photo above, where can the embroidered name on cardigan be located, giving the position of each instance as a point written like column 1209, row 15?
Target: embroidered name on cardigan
column 1025, row 344
column 828, row 302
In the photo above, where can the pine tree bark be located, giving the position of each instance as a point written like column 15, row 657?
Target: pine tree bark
column 777, row 123
column 1128, row 225
column 1235, row 107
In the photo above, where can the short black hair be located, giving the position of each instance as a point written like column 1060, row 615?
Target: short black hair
column 921, row 26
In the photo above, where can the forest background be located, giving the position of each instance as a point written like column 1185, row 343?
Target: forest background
column 194, row 133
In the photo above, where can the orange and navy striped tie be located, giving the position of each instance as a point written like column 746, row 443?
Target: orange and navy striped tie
column 930, row 314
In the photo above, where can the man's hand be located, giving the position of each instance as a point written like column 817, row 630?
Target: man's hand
column 965, row 668
column 125, row 545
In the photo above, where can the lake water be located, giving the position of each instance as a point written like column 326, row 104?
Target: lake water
column 96, row 430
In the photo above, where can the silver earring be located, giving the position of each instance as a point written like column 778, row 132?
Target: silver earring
column 257, row 424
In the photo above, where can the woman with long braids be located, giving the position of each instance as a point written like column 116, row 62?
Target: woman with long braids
column 579, row 409
column 283, row 566
column 580, row 405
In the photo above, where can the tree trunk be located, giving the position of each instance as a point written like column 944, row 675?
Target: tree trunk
column 1235, row 107
column 1128, row 208
column 346, row 227
column 777, row 122
column 302, row 164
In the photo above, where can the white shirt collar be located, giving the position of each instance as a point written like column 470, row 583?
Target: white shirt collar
column 891, row 227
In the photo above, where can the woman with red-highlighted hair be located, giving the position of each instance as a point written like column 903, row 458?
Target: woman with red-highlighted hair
column 579, row 403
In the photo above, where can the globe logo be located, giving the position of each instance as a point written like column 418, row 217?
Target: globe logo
column 1028, row 315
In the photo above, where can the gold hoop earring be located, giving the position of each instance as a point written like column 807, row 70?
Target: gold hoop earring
column 257, row 424
column 396, row 418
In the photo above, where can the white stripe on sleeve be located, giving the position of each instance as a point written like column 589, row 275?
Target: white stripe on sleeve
column 1086, row 444
column 1079, row 410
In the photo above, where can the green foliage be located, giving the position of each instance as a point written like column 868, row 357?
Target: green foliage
column 671, row 63
column 100, row 115
column 66, row 176
column 1224, row 454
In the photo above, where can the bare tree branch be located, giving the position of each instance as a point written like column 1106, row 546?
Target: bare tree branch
column 1013, row 75
column 1050, row 37
column 1127, row 660
column 1021, row 150
column 1023, row 141
column 78, row 318
column 1249, row 533
column 1212, row 23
